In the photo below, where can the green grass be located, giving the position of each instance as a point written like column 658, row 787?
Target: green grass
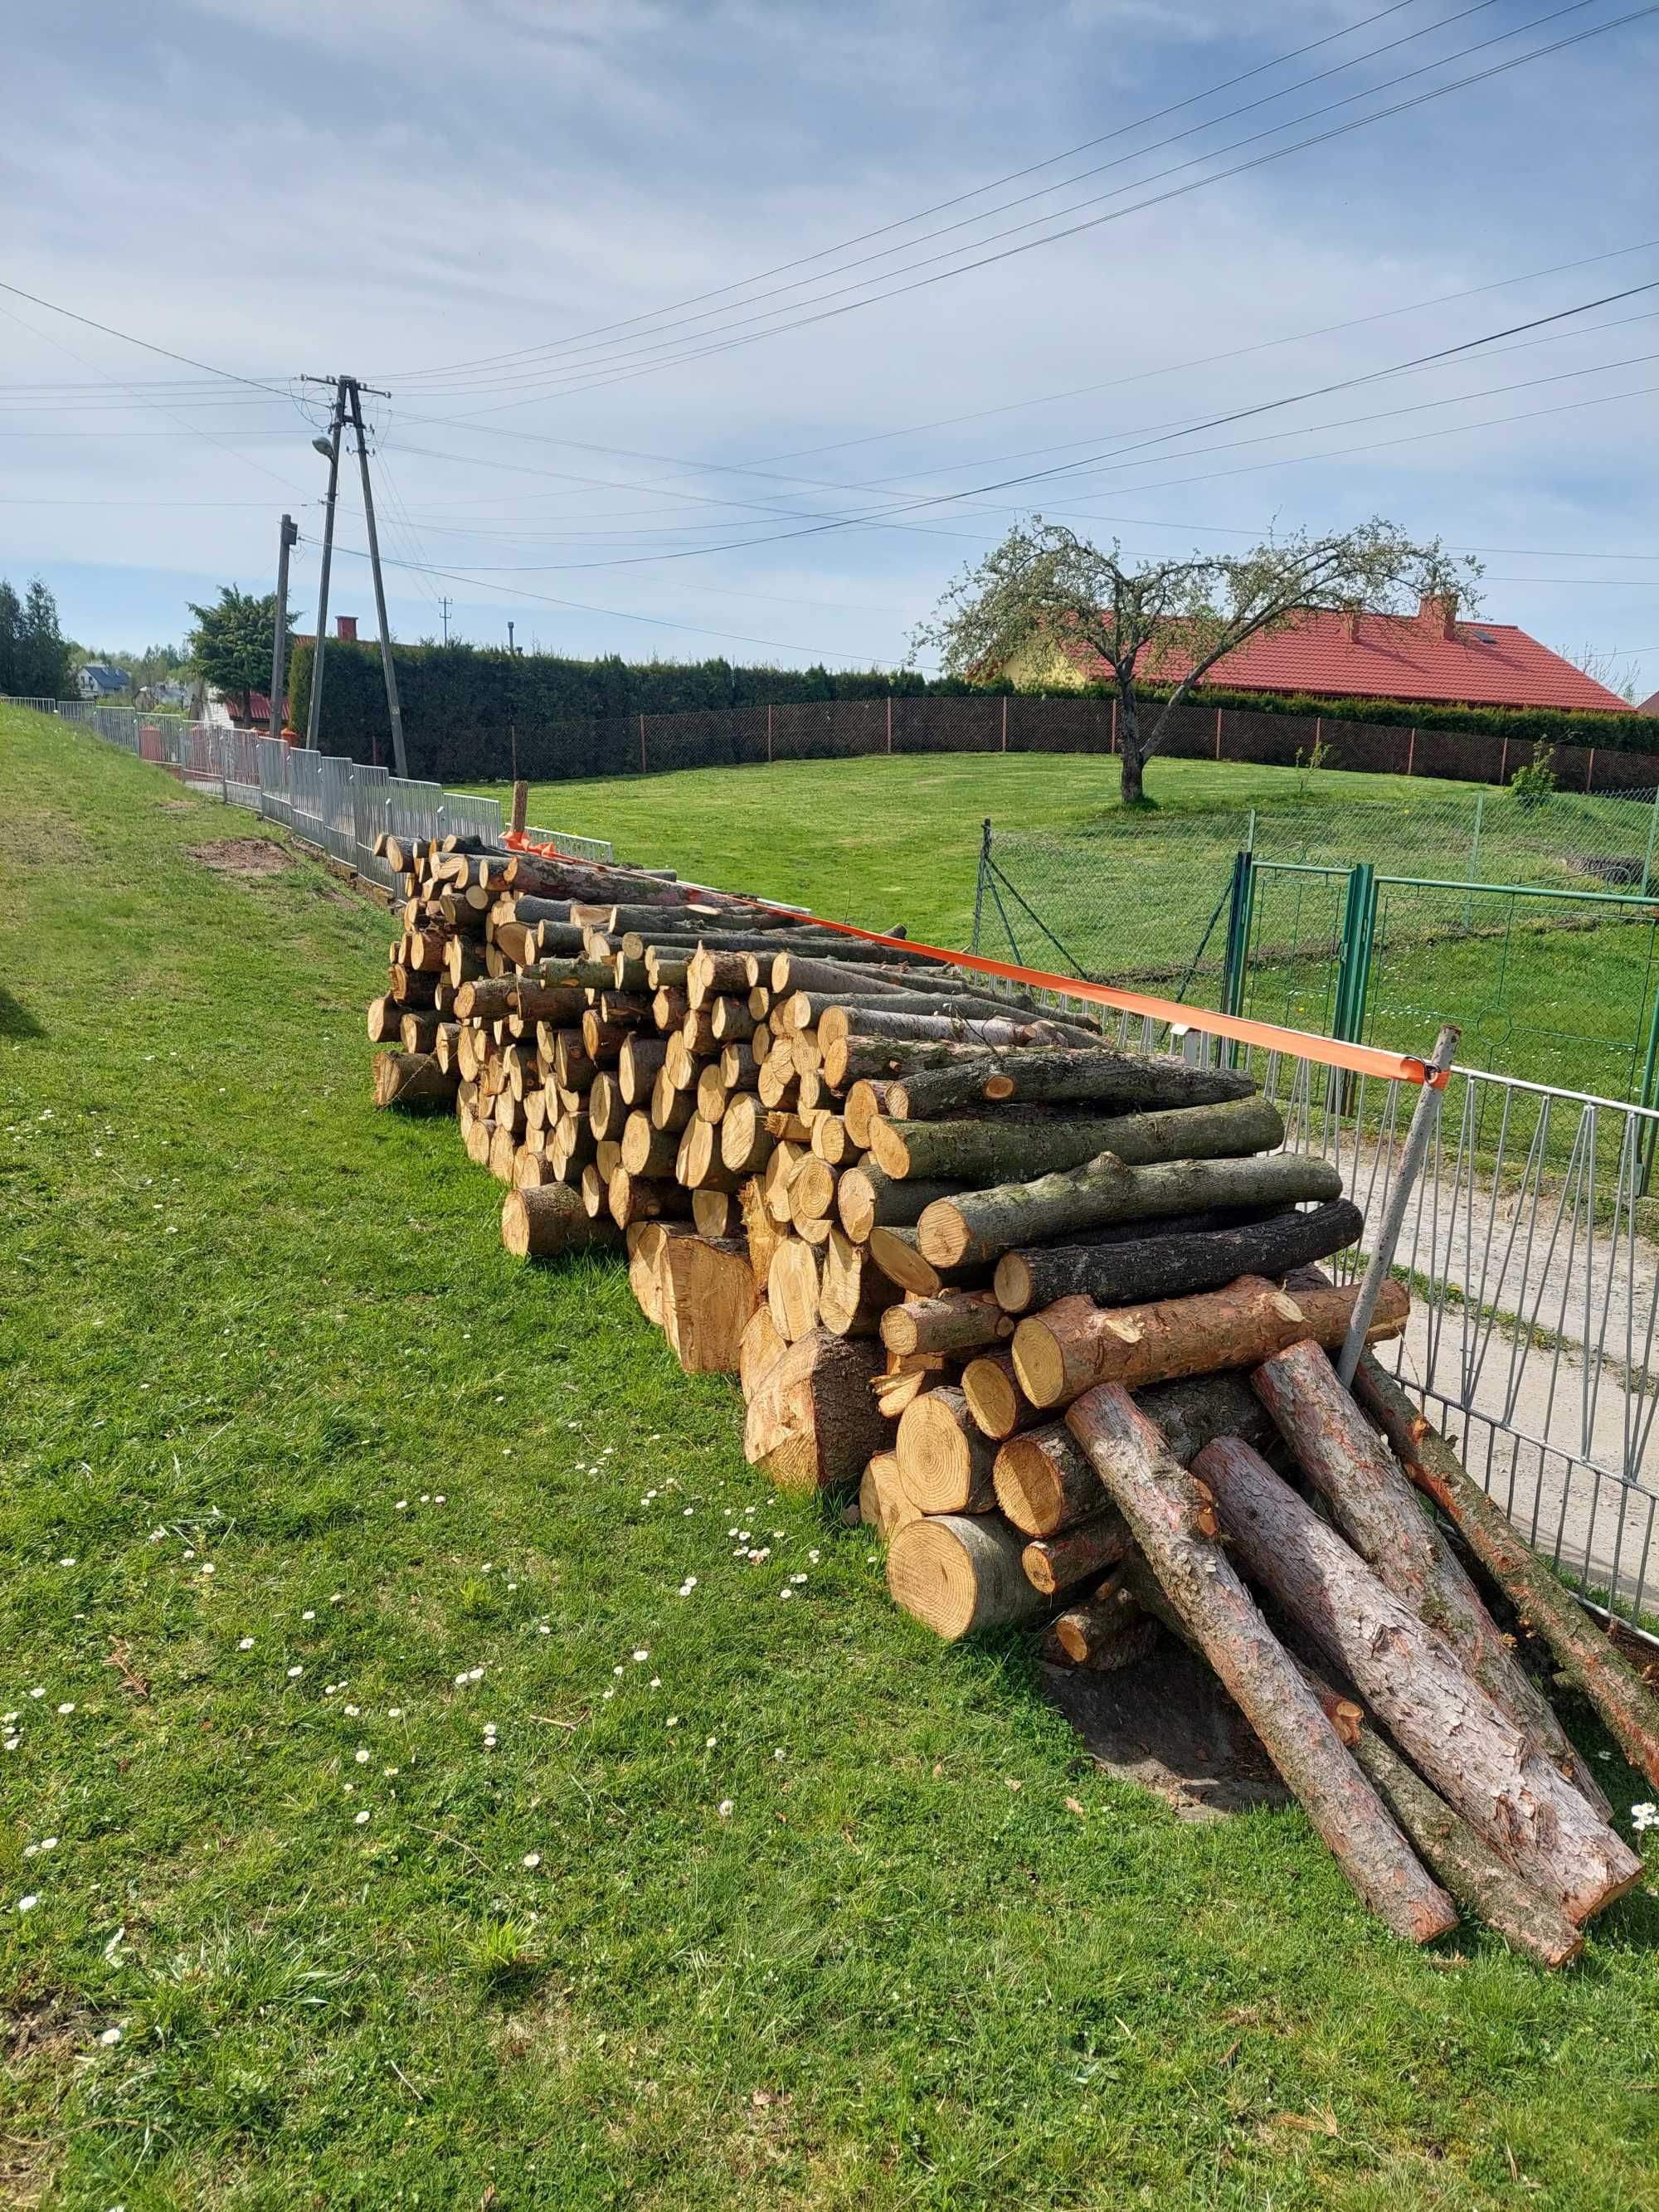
column 241, row 1318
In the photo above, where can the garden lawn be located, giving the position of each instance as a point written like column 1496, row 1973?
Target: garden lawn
column 414, row 1800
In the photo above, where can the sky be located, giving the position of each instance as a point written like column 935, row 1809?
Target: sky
column 681, row 351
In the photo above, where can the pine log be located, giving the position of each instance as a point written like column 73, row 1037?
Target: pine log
column 645, row 1151
column 776, row 1178
column 1546, row 1608
column 899, row 1253
column 636, row 1067
column 956, row 1573
column 758, row 1346
column 1053, row 1564
column 811, row 1419
column 641, row 1198
column 538, row 1224
column 503, row 1153
column 1166, row 1266
column 1471, row 1869
column 811, row 1190
column 1064, row 1351
column 866, row 1197
column 1483, row 1765
column 385, row 1020
column 1064, row 1076
column 854, row 1292
column 995, row 1399
column 1375, row 1507
column 1043, row 1483
column 1108, row 1629
column 944, row 1463
column 980, row 1226
column 991, row 1150
column 1166, row 1510
column 883, row 1504
column 962, row 1322
column 863, row 1101
column 746, row 1144
column 791, row 1289
column 842, row 1024
column 708, row 1299
column 717, row 1214
column 414, row 1083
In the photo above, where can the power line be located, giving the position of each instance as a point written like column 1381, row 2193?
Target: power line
column 127, row 339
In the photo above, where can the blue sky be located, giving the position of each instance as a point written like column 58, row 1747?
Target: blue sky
column 494, row 210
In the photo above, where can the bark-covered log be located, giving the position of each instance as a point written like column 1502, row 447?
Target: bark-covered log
column 1066, row 1350
column 944, row 1463
column 980, row 1226
column 1192, row 1413
column 1079, row 1552
column 1107, row 1631
column 960, row 1322
column 1585, row 1655
column 1088, row 1075
column 867, row 1198
column 1166, row 1509
column 842, row 1023
column 812, row 1420
column 1164, row 1265
column 1490, row 1771
column 537, row 1224
column 1376, row 1508
column 990, row 1151
column 957, row 1573
column 414, row 1083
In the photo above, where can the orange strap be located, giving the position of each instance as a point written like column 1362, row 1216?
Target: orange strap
column 1301, row 1044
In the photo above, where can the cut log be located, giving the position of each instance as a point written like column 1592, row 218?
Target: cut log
column 994, row 1149
column 995, row 1399
column 1166, row 1266
column 944, row 1463
column 854, row 1292
column 963, row 1322
column 1061, row 1076
column 385, row 1020
column 637, row 1198
column 982, row 1225
column 758, row 1346
column 883, row 1504
column 708, row 1299
column 1193, row 1412
column 1087, row 1548
column 746, row 1143
column 1044, row 1483
column 956, row 1573
column 645, row 1151
column 791, row 1289
column 811, row 1190
column 1376, row 1508
column 842, row 1024
column 1107, row 1631
column 867, row 1198
column 1482, row 1764
column 1066, row 1350
column 1165, row 1508
column 863, row 1101
column 812, row 1421
column 717, row 1214
column 414, row 1083
column 538, row 1224
column 1546, row 1608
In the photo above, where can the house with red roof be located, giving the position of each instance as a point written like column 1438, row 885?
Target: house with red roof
column 1429, row 656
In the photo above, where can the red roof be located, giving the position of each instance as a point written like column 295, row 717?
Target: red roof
column 1425, row 656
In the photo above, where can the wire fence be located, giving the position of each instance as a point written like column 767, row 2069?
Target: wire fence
column 340, row 807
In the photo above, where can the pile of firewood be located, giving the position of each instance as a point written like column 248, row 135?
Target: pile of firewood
column 1056, row 1310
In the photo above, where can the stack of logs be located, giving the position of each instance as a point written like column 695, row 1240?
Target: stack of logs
column 1054, row 1308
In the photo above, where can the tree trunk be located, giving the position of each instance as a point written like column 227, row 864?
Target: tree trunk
column 968, row 1151
column 1062, row 1352
column 1165, row 1509
column 1613, row 1685
column 956, row 1573
column 708, row 1299
column 537, row 1224
column 1168, row 1266
column 944, row 1463
column 1060, row 1076
column 980, row 1226
column 961, row 1323
column 813, row 1420
column 1474, row 1754
column 1375, row 1507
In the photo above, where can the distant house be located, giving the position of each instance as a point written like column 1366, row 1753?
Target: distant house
column 1429, row 656
column 97, row 680
column 1649, row 705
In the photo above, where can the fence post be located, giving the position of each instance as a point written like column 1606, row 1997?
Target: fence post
column 1217, row 734
column 1646, row 1096
column 1239, row 917
column 1411, row 752
column 1354, row 954
column 1111, row 746
column 1504, row 762
column 889, row 722
column 769, row 737
column 1005, row 722
column 979, row 882
column 641, row 745
column 1589, row 770
column 1474, row 857
column 1647, row 858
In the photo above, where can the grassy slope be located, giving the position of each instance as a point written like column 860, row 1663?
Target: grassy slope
column 243, row 1311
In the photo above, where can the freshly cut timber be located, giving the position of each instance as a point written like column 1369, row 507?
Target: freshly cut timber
column 1044, row 1482
column 980, row 1226
column 1060, row 1076
column 791, row 1289
column 708, row 1299
column 812, row 1420
column 537, row 1224
column 1107, row 1631
column 1375, row 1507
column 853, row 1292
column 967, row 1150
column 845, row 1022
column 1062, row 1352
column 414, row 1083
column 960, row 1322
column 944, row 1463
column 1547, row 1606
column 1483, row 1765
column 1161, row 1266
column 959, row 1573
column 1054, row 1562
column 866, row 1197
column 1166, row 1509
column 883, row 1504
column 995, row 1399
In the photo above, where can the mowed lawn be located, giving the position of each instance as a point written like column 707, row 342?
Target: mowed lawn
column 390, row 1818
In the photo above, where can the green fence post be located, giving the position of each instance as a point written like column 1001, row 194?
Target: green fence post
column 1239, row 918
column 979, row 880
column 1647, row 858
column 1474, row 859
column 1354, row 953
column 1646, row 1096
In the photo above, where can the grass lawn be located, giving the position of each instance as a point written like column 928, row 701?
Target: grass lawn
column 432, row 1849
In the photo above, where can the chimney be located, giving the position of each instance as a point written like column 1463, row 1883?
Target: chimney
column 1352, row 625
column 345, row 629
column 1438, row 615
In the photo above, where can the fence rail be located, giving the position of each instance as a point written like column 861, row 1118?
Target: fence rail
column 339, row 806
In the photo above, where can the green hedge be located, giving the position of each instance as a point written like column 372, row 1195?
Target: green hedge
column 462, row 703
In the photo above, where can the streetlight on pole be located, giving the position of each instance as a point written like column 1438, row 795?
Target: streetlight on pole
column 329, row 446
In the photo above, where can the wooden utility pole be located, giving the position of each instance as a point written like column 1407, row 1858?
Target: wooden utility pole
column 353, row 392
column 288, row 538
column 330, row 446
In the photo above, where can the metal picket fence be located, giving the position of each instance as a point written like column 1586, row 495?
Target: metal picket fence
column 337, row 807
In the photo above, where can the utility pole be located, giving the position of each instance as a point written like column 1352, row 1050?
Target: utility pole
column 509, row 637
column 287, row 538
column 444, row 605
column 350, row 387
column 330, row 446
